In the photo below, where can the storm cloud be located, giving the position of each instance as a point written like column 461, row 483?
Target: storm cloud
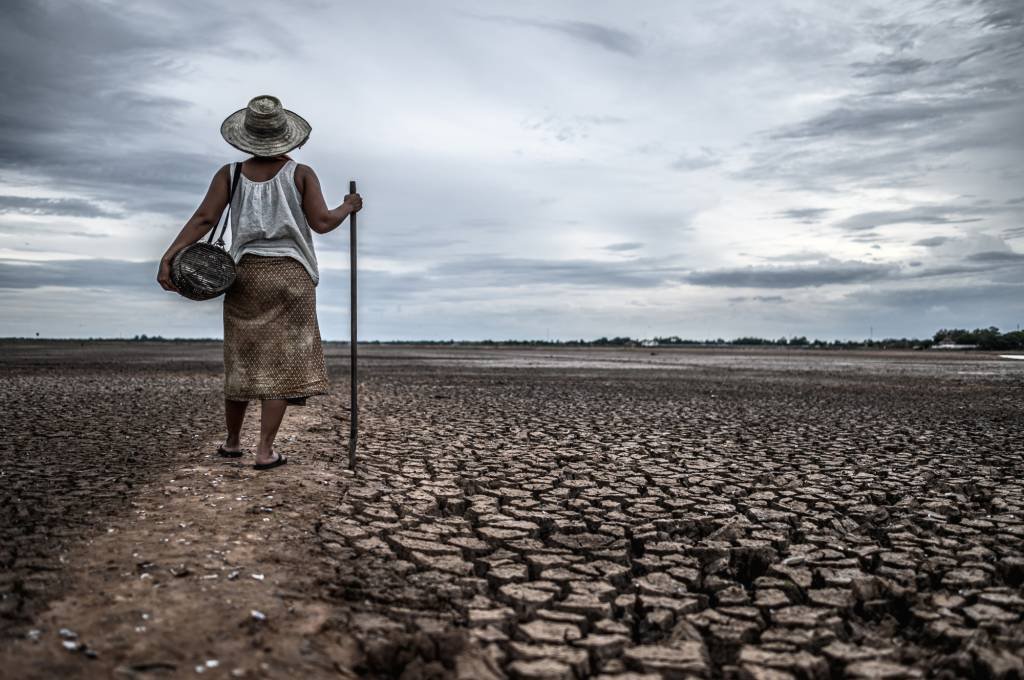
column 96, row 273
column 804, row 215
column 916, row 215
column 607, row 37
column 803, row 276
column 931, row 241
column 996, row 257
column 579, row 169
column 75, row 207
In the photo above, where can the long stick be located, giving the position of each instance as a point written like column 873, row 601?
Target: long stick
column 353, row 433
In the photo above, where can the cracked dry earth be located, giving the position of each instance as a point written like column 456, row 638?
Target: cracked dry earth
column 528, row 514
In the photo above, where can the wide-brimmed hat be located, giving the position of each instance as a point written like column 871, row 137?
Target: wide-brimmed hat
column 265, row 128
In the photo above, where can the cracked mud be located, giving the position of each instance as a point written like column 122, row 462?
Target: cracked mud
column 551, row 514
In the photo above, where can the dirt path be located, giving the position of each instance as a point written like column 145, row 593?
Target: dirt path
column 210, row 572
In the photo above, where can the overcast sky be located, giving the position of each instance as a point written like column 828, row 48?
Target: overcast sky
column 535, row 169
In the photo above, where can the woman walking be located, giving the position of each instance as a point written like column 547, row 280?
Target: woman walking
column 272, row 348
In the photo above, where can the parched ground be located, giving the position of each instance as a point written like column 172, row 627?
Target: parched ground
column 517, row 513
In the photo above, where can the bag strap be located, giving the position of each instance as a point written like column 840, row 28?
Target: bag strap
column 227, row 212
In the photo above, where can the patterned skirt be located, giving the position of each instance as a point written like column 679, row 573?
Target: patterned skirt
column 272, row 347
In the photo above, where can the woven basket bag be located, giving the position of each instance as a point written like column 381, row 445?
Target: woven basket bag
column 204, row 270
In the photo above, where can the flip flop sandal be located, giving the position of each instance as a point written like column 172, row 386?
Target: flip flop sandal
column 224, row 453
column 280, row 460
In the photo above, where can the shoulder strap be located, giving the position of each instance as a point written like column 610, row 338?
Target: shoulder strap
column 227, row 211
column 290, row 178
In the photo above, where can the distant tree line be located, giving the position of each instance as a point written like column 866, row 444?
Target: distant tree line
column 983, row 338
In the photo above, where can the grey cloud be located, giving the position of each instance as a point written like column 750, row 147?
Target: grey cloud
column 912, row 113
column 1003, row 14
column 917, row 215
column 454, row 280
column 872, row 117
column 798, row 256
column 97, row 273
column 931, row 101
column 611, row 39
column 895, row 70
column 481, row 271
column 804, row 215
column 1012, row 272
column 626, row 245
column 757, row 298
column 817, row 167
column 931, row 241
column 74, row 207
column 510, row 272
column 996, row 256
column 804, row 276
column 943, row 271
column 866, row 237
column 698, row 161
column 139, row 278
column 75, row 80
column 995, row 295
column 379, row 287
column 983, row 265
column 890, row 67
column 23, row 231
column 412, row 247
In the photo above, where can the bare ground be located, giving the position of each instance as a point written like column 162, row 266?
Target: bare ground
column 517, row 513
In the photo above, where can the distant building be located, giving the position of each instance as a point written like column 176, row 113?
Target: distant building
column 947, row 343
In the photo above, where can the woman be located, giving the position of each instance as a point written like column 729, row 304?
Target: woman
column 272, row 349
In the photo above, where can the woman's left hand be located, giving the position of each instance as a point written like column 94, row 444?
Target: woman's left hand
column 163, row 277
column 354, row 203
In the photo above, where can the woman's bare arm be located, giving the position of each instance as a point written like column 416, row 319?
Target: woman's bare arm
column 321, row 218
column 206, row 216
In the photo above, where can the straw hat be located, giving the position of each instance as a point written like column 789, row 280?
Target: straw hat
column 265, row 128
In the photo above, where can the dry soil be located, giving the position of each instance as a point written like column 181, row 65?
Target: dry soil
column 523, row 513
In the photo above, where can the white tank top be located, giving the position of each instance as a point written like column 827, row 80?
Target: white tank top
column 267, row 219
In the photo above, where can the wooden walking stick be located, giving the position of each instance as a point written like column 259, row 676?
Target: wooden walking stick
column 353, row 433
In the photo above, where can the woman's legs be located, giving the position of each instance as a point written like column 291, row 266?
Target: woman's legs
column 234, row 414
column 270, row 420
